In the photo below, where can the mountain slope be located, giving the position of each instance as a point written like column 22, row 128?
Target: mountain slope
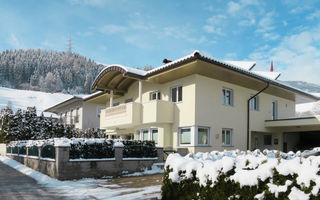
column 26, row 98
column 48, row 71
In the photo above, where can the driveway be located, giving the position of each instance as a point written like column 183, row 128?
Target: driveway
column 15, row 185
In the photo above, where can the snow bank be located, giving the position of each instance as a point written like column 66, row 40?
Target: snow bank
column 249, row 168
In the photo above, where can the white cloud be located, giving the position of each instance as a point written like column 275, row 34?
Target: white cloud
column 233, row 7
column 297, row 56
column 96, row 3
column 212, row 29
column 266, row 23
column 14, row 41
column 216, row 19
column 314, row 15
column 247, row 22
column 112, row 29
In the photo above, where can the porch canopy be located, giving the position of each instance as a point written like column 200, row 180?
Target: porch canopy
column 117, row 78
column 310, row 123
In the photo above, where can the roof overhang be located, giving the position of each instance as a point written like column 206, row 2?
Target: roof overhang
column 55, row 108
column 301, row 124
column 117, row 78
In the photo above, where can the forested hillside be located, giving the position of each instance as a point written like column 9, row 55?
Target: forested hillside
column 47, row 71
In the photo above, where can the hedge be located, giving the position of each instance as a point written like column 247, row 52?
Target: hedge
column 33, row 151
column 181, row 183
column 139, row 149
column 48, row 151
column 92, row 151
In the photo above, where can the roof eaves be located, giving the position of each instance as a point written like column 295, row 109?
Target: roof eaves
column 63, row 102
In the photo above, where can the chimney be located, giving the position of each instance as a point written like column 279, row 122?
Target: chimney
column 165, row 61
column 271, row 68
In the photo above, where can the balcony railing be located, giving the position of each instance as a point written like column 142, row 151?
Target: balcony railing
column 129, row 114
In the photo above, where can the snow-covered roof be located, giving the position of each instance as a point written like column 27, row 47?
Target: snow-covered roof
column 238, row 66
column 270, row 75
column 126, row 69
column 248, row 65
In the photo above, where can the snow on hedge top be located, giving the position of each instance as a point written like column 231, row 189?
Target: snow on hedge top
column 249, row 167
column 65, row 142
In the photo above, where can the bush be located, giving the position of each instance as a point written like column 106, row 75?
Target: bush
column 92, row 151
column 48, row 151
column 23, row 150
column 212, row 176
column 139, row 149
column 33, row 151
column 8, row 149
column 15, row 150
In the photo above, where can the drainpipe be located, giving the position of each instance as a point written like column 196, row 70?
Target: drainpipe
column 248, row 114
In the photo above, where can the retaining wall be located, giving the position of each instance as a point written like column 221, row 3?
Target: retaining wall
column 64, row 168
column 3, row 149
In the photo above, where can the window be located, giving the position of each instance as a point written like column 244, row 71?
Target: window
column 274, row 110
column 155, row 95
column 71, row 119
column 128, row 100
column 203, row 136
column 154, row 135
column 267, row 140
column 185, row 136
column 227, row 137
column 227, row 96
column 116, row 104
column 254, row 103
column 76, row 118
column 145, row 135
column 176, row 94
column 99, row 109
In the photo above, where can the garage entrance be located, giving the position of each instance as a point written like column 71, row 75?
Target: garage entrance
column 294, row 141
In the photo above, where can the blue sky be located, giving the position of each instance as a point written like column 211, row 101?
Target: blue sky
column 143, row 32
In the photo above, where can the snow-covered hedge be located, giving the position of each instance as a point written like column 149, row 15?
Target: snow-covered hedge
column 88, row 148
column 243, row 175
column 139, row 149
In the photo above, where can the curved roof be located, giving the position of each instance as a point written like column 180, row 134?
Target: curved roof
column 117, row 77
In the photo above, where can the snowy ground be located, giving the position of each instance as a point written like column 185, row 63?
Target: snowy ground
column 25, row 98
column 143, row 187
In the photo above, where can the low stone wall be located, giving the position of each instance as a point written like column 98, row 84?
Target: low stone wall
column 3, row 149
column 63, row 168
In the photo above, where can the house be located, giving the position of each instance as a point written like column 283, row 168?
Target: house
column 81, row 111
column 202, row 104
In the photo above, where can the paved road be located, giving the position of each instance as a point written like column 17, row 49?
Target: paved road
column 15, row 185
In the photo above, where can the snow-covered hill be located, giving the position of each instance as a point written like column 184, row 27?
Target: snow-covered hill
column 25, row 98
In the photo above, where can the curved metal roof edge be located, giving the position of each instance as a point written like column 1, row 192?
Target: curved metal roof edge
column 191, row 57
column 116, row 67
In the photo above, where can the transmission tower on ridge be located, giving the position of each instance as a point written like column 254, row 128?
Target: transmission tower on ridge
column 70, row 44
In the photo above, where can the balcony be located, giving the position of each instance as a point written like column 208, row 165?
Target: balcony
column 123, row 115
column 158, row 111
column 132, row 114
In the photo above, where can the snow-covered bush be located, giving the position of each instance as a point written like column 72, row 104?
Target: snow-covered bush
column 91, row 149
column 243, row 175
column 26, row 125
column 87, row 148
column 139, row 149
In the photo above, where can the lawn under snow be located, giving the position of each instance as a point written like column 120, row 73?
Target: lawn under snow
column 249, row 168
column 88, row 188
column 26, row 98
